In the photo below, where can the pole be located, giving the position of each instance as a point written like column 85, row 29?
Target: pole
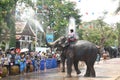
column 35, row 1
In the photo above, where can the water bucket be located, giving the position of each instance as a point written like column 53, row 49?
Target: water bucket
column 31, row 68
column 14, row 70
column 4, row 72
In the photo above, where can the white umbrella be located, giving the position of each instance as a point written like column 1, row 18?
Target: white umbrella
column 24, row 50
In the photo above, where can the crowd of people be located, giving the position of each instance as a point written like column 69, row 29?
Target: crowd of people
column 25, row 61
column 29, row 61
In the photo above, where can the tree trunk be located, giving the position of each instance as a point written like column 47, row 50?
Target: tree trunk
column 118, row 27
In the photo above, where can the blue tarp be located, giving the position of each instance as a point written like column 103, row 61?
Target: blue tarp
column 51, row 63
column 48, row 64
column 42, row 64
column 54, row 63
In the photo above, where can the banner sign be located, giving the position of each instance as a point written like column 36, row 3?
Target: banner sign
column 50, row 37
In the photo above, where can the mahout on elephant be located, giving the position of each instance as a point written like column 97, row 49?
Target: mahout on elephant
column 81, row 50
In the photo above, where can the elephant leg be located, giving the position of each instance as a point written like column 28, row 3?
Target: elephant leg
column 63, row 64
column 76, row 67
column 87, row 74
column 69, row 66
column 92, row 71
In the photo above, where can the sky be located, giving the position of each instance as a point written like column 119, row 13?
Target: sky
column 92, row 9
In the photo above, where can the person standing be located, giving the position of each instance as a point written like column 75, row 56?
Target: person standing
column 58, row 57
column 28, row 63
column 0, row 51
column 1, row 64
column 98, row 58
column 22, row 62
column 12, row 59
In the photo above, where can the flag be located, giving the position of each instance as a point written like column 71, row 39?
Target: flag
column 79, row 0
column 86, row 13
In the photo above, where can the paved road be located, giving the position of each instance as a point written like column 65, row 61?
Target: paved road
column 108, row 70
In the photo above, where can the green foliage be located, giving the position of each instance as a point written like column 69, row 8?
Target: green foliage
column 56, row 15
column 7, row 9
column 80, row 33
column 118, row 8
column 118, row 28
column 101, row 33
column 92, row 35
column 12, row 32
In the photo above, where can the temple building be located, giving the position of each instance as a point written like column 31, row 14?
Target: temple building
column 25, row 36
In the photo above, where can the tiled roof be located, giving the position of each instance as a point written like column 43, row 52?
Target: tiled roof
column 23, row 28
column 19, row 27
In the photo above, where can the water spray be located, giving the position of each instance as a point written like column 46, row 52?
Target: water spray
column 72, row 24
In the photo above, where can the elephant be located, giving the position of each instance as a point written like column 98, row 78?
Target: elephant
column 113, row 53
column 81, row 50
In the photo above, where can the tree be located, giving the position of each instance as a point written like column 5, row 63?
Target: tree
column 80, row 33
column 7, row 27
column 101, row 34
column 118, row 9
column 118, row 28
column 118, row 24
column 56, row 15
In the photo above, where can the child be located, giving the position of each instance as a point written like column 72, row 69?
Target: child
column 58, row 60
column 37, row 63
column 22, row 63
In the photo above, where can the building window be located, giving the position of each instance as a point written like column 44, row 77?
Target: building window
column 28, row 38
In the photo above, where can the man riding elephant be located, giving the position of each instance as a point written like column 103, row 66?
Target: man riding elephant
column 71, row 36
